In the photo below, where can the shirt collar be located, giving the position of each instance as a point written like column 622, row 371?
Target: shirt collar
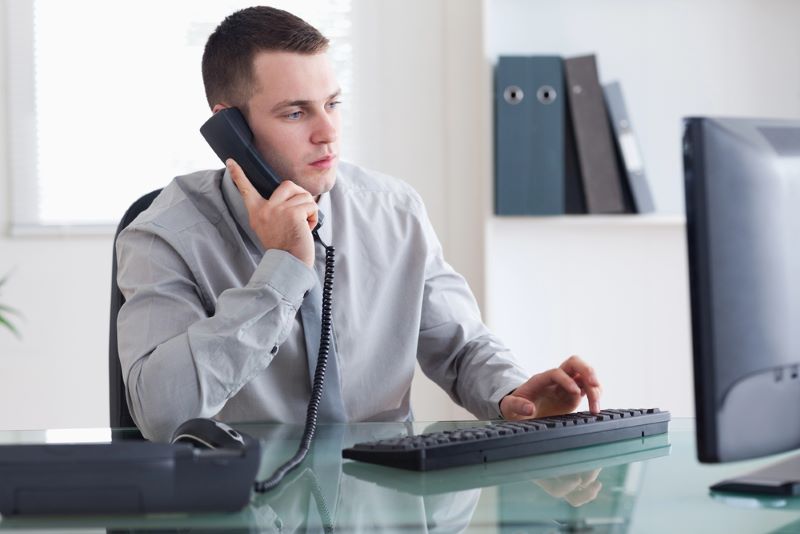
column 236, row 204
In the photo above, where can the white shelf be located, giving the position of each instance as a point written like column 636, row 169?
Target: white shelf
column 673, row 219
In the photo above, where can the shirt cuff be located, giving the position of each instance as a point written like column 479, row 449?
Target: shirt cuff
column 284, row 273
column 507, row 388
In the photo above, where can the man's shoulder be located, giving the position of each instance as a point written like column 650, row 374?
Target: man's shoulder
column 360, row 183
column 185, row 201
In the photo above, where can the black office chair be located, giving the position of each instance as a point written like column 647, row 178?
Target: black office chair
column 119, row 414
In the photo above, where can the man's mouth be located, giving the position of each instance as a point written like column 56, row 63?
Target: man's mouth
column 325, row 162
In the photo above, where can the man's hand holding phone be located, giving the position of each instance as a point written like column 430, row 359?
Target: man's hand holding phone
column 283, row 221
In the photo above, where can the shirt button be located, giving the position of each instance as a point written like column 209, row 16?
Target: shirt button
column 274, row 349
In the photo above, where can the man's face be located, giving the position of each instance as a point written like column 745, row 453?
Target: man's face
column 295, row 118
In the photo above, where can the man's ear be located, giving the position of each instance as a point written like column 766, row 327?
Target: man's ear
column 218, row 107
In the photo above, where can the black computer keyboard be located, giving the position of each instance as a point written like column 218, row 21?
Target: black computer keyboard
column 502, row 440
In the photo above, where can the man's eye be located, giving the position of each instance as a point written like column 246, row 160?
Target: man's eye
column 294, row 115
column 335, row 104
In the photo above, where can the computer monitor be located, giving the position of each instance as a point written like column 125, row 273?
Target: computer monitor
column 742, row 184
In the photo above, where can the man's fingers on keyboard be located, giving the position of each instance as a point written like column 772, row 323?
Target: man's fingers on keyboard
column 592, row 393
column 594, row 404
column 540, row 383
column 593, row 396
column 574, row 365
column 517, row 408
column 560, row 377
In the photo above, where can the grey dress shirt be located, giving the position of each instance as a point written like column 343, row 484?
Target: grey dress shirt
column 210, row 326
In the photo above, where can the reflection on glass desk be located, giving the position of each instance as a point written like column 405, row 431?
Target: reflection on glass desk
column 645, row 485
column 560, row 465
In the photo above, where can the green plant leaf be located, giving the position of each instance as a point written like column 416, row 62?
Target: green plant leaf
column 7, row 324
column 8, row 309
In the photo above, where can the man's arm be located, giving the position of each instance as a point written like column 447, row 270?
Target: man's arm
column 456, row 350
column 181, row 360
column 182, row 357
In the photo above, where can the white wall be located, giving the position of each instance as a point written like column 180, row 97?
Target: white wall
column 420, row 87
column 55, row 375
column 615, row 291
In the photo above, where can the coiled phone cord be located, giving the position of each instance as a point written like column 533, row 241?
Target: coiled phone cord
column 263, row 486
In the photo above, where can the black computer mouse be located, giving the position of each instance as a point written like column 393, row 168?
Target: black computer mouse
column 210, row 434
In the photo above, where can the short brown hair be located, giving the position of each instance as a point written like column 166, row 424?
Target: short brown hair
column 231, row 49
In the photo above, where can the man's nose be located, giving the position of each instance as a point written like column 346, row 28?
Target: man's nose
column 325, row 129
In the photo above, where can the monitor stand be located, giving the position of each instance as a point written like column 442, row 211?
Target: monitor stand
column 782, row 478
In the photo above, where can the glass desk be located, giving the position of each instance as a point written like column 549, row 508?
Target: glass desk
column 651, row 485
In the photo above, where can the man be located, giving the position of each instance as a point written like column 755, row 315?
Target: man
column 217, row 278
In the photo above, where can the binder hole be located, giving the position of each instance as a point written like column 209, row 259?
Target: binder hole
column 546, row 94
column 513, row 94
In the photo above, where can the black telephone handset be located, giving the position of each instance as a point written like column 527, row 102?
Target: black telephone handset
column 230, row 136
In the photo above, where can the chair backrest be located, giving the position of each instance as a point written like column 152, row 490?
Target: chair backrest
column 119, row 414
